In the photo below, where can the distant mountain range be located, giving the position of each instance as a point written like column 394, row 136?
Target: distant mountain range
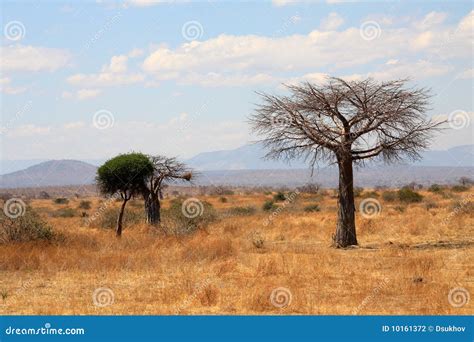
column 250, row 157
column 246, row 166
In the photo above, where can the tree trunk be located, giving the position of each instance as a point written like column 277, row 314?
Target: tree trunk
column 152, row 208
column 120, row 219
column 345, row 230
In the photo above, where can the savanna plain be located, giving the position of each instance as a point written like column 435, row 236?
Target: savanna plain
column 248, row 251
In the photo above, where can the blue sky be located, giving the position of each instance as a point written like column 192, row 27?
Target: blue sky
column 93, row 79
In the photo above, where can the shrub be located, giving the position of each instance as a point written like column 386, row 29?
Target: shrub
column 175, row 222
column 29, row 227
column 435, row 188
column 407, row 195
column 279, row 197
column 463, row 207
column 312, row 208
column 389, row 196
column 310, row 188
column 370, row 194
column 223, row 199
column 61, row 200
column 358, row 191
column 269, row 205
column 108, row 218
column 85, row 205
column 459, row 188
column 430, row 205
column 64, row 212
column 242, row 211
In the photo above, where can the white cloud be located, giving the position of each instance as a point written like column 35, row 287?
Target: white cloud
column 81, row 94
column 112, row 74
column 430, row 20
column 7, row 88
column 228, row 57
column 30, row 58
column 217, row 80
column 118, row 64
column 136, row 53
column 74, row 125
column 332, row 22
column 28, row 130
column 467, row 74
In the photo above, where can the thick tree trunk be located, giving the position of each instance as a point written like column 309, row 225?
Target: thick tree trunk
column 120, row 219
column 152, row 209
column 345, row 230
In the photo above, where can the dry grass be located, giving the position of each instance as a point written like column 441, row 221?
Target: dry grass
column 408, row 260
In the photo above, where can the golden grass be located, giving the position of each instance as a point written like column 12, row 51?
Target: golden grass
column 407, row 263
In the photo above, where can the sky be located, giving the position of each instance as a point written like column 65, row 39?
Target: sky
column 90, row 80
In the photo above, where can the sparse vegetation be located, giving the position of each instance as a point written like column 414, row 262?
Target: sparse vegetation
column 407, row 195
column 27, row 227
column 279, row 197
column 312, row 208
column 269, row 206
column 61, row 200
column 242, row 211
column 389, row 196
column 86, row 205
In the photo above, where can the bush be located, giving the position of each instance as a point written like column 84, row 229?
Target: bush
column 435, row 188
column 459, row 188
column 175, row 222
column 310, row 188
column 463, row 207
column 430, row 205
column 223, row 199
column 61, row 200
column 389, row 196
column 279, row 197
column 269, row 205
column 64, row 212
column 358, row 191
column 242, row 211
column 407, row 195
column 370, row 194
column 108, row 218
column 29, row 227
column 85, row 205
column 312, row 208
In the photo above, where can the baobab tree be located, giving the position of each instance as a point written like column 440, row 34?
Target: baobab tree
column 165, row 170
column 126, row 175
column 345, row 122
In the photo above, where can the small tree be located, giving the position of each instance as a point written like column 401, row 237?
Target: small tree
column 345, row 123
column 164, row 170
column 126, row 175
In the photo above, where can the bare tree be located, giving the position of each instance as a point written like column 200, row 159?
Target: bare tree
column 165, row 170
column 345, row 122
